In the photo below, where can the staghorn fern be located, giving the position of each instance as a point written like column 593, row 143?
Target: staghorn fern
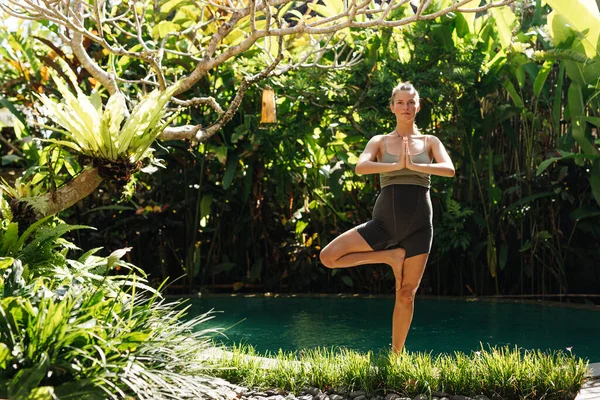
column 108, row 134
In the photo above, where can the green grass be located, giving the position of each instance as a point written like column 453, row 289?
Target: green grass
column 510, row 373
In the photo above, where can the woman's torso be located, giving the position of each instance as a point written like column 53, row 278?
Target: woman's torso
column 405, row 176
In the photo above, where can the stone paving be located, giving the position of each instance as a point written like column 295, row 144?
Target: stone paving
column 591, row 389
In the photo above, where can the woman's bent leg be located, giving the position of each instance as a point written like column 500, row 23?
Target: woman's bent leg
column 407, row 283
column 350, row 249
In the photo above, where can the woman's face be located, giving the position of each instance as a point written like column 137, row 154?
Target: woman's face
column 404, row 105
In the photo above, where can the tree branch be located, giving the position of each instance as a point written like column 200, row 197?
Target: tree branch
column 67, row 195
column 90, row 65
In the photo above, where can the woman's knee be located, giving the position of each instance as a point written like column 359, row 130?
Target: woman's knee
column 406, row 294
column 327, row 257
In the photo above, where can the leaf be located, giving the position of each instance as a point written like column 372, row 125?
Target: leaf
column 593, row 121
column 541, row 77
column 27, row 379
column 347, row 280
column 6, row 262
column 543, row 235
column 582, row 16
column 164, row 28
column 131, row 341
column 4, row 102
column 133, row 138
column 205, row 205
column 556, row 106
column 42, row 393
column 510, row 88
column 300, row 226
column 114, row 113
column 582, row 213
column 503, row 256
column 10, row 158
column 595, row 180
column 505, row 19
column 221, row 154
column 232, row 163
column 577, row 110
column 83, row 389
column 10, row 239
column 116, row 256
column 4, row 355
column 96, row 100
column 222, row 267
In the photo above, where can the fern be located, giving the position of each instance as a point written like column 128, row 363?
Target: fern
column 45, row 242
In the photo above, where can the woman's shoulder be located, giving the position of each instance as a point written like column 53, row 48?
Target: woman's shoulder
column 378, row 138
column 433, row 139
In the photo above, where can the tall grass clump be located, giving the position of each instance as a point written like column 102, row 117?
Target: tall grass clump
column 409, row 373
column 90, row 327
column 509, row 373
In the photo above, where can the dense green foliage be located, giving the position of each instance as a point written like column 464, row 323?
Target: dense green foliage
column 506, row 92
column 495, row 372
column 89, row 327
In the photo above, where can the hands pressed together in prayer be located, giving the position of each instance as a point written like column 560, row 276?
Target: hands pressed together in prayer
column 405, row 160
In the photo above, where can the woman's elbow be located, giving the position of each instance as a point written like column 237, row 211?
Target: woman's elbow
column 358, row 170
column 451, row 172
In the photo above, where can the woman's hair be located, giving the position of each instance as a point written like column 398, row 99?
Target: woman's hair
column 406, row 87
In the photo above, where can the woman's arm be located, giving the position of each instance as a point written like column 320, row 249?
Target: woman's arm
column 367, row 163
column 443, row 164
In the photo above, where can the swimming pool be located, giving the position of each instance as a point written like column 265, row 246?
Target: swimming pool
column 439, row 325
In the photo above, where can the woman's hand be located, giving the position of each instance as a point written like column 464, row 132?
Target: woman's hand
column 401, row 163
column 406, row 153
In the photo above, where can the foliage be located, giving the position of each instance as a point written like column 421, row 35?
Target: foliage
column 74, row 328
column 251, row 208
column 497, row 371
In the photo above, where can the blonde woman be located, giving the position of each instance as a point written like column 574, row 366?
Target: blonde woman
column 401, row 231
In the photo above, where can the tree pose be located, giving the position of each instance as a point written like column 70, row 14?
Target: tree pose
column 401, row 231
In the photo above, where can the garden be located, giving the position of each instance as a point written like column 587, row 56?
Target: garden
column 165, row 160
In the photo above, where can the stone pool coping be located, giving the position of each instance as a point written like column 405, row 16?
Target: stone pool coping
column 591, row 389
column 490, row 299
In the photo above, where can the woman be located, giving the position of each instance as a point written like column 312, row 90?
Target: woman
column 401, row 231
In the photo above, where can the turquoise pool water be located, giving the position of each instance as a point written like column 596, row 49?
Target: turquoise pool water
column 439, row 326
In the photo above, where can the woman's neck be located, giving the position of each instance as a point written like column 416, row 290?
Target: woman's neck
column 404, row 129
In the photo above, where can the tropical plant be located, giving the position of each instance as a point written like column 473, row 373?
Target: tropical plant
column 73, row 328
column 109, row 135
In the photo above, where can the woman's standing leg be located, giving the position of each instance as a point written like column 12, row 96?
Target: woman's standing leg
column 408, row 279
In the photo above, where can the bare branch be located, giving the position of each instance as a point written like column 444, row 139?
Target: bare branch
column 196, row 101
column 240, row 25
column 90, row 65
column 196, row 133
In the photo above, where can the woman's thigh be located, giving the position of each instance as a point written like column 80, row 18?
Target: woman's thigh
column 348, row 242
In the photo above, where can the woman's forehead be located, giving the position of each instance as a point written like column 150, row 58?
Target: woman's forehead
column 405, row 95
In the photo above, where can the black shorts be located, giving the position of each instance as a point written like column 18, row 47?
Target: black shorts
column 402, row 217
